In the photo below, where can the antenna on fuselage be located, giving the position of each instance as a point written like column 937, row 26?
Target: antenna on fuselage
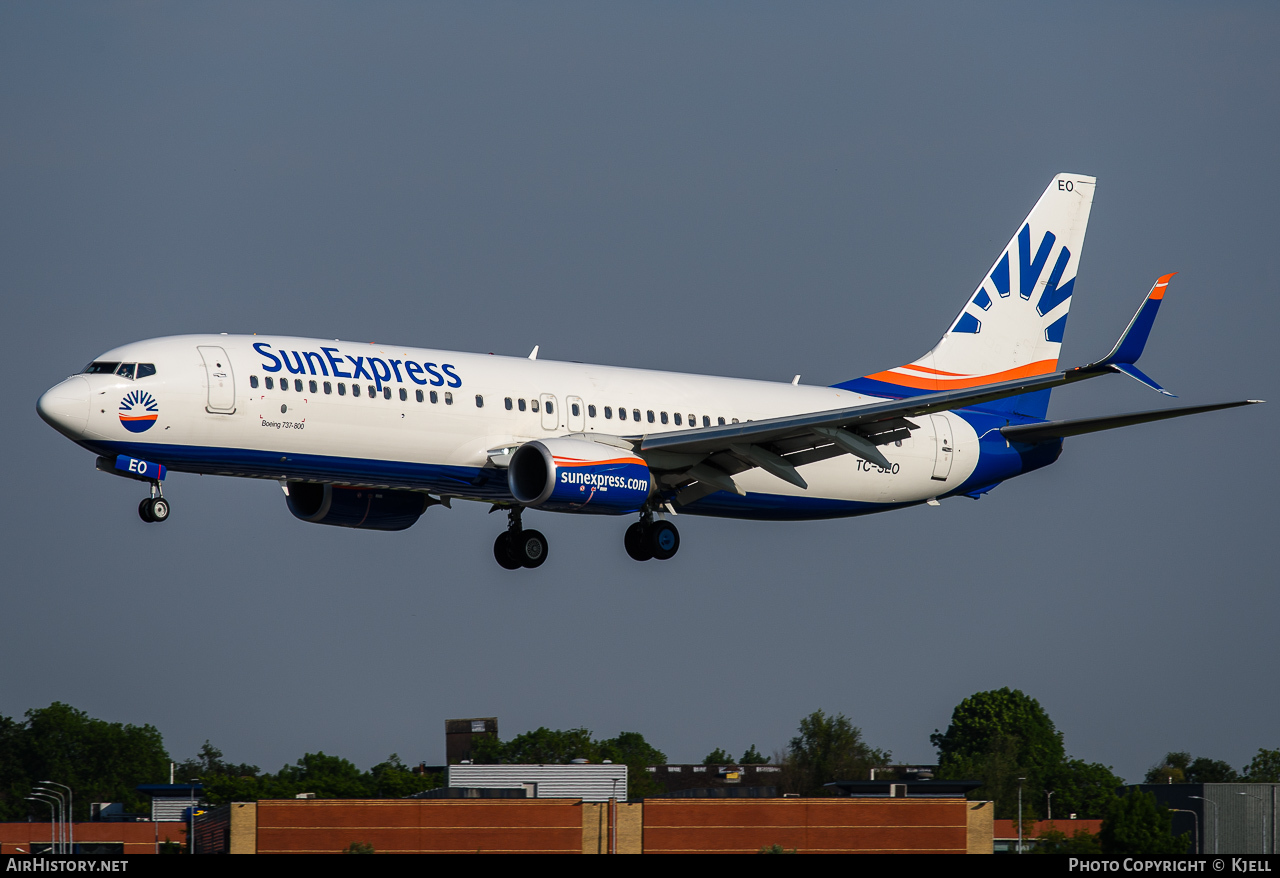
column 533, row 354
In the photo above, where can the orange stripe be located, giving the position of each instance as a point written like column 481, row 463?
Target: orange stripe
column 1042, row 367
column 573, row 461
column 1157, row 292
column 914, row 367
column 139, row 418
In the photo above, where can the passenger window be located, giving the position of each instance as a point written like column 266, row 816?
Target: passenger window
column 522, row 405
column 677, row 417
column 315, row 388
column 735, row 420
column 706, row 420
column 575, row 409
column 270, row 383
column 373, row 391
column 591, row 411
column 507, row 403
column 328, row 388
column 533, row 405
column 419, row 395
column 146, row 370
column 355, row 389
column 435, row 397
column 297, row 384
column 284, row 383
column 125, row 371
column 650, row 415
column 622, row 414
column 635, row 415
column 342, row 388
column 663, row 416
column 404, row 395
column 448, row 398
column 721, row 420
column 386, row 393
column 551, row 408
column 479, row 401
column 253, row 381
column 608, row 412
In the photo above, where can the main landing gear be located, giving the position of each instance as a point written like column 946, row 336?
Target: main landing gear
column 516, row 547
column 154, row 509
column 651, row 539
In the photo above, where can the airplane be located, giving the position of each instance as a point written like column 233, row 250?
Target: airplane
column 369, row 436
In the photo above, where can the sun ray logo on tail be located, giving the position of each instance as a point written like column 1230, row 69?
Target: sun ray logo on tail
column 138, row 411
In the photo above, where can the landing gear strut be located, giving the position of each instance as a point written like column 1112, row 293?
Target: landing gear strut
column 648, row 539
column 516, row 547
column 154, row 509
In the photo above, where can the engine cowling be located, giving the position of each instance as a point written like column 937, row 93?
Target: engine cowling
column 578, row 475
column 364, row 508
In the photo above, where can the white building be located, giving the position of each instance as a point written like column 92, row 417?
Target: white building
column 586, row 781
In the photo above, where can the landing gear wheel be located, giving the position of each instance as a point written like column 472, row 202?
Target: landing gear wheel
column 530, row 548
column 144, row 510
column 159, row 509
column 503, row 554
column 636, row 544
column 662, row 539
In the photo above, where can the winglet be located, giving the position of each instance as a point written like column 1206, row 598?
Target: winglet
column 1134, row 339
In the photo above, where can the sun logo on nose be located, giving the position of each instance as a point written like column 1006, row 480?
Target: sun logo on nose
column 138, row 411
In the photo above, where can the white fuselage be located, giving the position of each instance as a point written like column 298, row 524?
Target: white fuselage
column 215, row 414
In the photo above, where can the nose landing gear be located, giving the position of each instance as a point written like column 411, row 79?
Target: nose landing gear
column 516, row 547
column 648, row 539
column 154, row 509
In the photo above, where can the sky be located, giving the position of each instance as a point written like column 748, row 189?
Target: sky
column 744, row 189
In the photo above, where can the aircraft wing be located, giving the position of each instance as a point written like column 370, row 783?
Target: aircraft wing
column 711, row 456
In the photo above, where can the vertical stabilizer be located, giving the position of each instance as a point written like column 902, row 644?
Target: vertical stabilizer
column 1013, row 324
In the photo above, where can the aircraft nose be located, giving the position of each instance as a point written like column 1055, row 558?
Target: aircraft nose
column 65, row 407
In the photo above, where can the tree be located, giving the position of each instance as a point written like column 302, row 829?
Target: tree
column 717, row 757
column 998, row 737
column 1082, row 843
column 545, row 746
column 753, row 757
column 829, row 748
column 101, row 761
column 1179, row 767
column 1265, row 767
column 1136, row 825
column 1082, row 788
column 1171, row 769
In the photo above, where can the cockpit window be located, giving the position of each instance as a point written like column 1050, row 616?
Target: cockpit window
column 145, row 370
column 126, row 370
column 101, row 368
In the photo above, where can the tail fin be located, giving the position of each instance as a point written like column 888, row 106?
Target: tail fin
column 1013, row 324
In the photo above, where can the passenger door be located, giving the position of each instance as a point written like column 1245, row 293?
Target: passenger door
column 222, row 381
column 945, row 450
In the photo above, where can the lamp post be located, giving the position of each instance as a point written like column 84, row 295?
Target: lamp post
column 52, row 843
column 1048, row 797
column 191, row 839
column 54, row 794
column 71, row 817
column 1020, row 780
column 1194, row 817
column 1264, row 819
column 1215, row 819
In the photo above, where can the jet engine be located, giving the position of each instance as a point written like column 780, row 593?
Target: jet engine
column 578, row 475
column 364, row 508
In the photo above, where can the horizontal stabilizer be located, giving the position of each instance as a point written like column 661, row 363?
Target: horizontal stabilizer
column 1078, row 426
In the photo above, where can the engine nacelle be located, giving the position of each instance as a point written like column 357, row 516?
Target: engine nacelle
column 577, row 475
column 364, row 508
